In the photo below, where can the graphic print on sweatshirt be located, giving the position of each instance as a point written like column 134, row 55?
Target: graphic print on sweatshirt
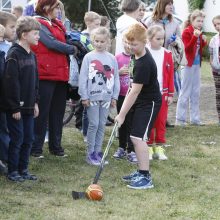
column 101, row 76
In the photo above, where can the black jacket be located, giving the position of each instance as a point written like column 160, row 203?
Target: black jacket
column 20, row 81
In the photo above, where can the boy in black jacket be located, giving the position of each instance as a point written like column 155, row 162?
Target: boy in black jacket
column 20, row 89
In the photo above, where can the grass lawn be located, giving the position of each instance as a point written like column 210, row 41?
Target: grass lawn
column 186, row 186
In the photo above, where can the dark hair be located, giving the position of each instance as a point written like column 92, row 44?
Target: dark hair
column 26, row 24
column 45, row 6
column 160, row 9
column 130, row 5
column 5, row 17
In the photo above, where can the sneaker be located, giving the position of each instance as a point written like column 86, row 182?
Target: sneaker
column 92, row 160
column 159, row 153
column 151, row 153
column 131, row 157
column 85, row 139
column 120, row 153
column 15, row 177
column 180, row 123
column 58, row 153
column 99, row 156
column 46, row 139
column 3, row 168
column 141, row 182
column 37, row 155
column 27, row 176
column 197, row 124
column 131, row 176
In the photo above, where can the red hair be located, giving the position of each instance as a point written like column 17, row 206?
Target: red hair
column 45, row 6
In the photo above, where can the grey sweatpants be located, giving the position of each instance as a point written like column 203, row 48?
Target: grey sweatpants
column 97, row 115
column 189, row 95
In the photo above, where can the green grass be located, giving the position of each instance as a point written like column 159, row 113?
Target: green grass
column 186, row 186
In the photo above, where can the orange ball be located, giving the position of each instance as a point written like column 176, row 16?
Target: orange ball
column 94, row 192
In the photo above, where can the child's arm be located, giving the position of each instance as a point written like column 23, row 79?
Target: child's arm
column 169, row 98
column 11, row 87
column 189, row 40
column 83, row 82
column 116, row 88
column 128, row 102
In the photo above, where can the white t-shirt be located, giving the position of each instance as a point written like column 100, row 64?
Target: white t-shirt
column 158, row 56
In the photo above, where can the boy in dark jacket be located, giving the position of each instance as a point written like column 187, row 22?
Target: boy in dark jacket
column 20, row 89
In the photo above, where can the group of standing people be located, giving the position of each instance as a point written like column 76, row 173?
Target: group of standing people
column 140, row 81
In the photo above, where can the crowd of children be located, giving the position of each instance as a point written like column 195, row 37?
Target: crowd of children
column 138, row 80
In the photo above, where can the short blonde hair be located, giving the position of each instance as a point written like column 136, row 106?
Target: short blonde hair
column 26, row 24
column 151, row 31
column 91, row 16
column 217, row 17
column 136, row 32
column 196, row 13
column 100, row 31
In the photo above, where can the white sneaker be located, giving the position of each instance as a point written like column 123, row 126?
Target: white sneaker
column 151, row 152
column 85, row 139
column 159, row 153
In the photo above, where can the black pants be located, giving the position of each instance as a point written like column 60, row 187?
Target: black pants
column 124, row 130
column 52, row 108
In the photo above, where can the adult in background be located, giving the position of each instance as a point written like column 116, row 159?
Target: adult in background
column 130, row 8
column 53, row 68
column 163, row 16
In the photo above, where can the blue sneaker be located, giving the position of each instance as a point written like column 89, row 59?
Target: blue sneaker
column 131, row 177
column 99, row 156
column 92, row 160
column 141, row 182
column 120, row 153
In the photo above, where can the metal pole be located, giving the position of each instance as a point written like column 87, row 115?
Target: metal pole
column 89, row 5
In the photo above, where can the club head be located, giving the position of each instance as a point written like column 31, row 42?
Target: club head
column 78, row 195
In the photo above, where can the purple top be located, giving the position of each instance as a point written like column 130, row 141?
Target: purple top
column 123, row 59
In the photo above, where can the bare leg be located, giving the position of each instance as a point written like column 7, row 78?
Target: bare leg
column 141, row 150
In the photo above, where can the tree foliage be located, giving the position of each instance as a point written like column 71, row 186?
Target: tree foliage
column 196, row 4
column 76, row 9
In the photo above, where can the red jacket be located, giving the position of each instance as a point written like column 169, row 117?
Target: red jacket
column 168, row 73
column 52, row 65
column 190, row 43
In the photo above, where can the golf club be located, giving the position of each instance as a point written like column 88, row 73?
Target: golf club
column 78, row 195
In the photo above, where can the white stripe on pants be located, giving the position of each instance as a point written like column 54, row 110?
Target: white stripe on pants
column 189, row 95
column 97, row 115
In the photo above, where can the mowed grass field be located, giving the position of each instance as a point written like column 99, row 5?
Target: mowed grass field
column 187, row 186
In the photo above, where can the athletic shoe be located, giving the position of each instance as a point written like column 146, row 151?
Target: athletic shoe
column 131, row 177
column 27, row 176
column 131, row 157
column 159, row 153
column 92, row 160
column 120, row 153
column 151, row 153
column 99, row 156
column 85, row 139
column 46, row 139
column 141, row 182
column 3, row 168
column 37, row 155
column 180, row 123
column 15, row 177
column 58, row 153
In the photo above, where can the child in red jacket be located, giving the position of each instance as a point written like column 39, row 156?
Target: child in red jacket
column 165, row 69
column 194, row 41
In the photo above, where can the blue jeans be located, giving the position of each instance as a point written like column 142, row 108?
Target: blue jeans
column 21, row 134
column 4, row 137
column 177, row 82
